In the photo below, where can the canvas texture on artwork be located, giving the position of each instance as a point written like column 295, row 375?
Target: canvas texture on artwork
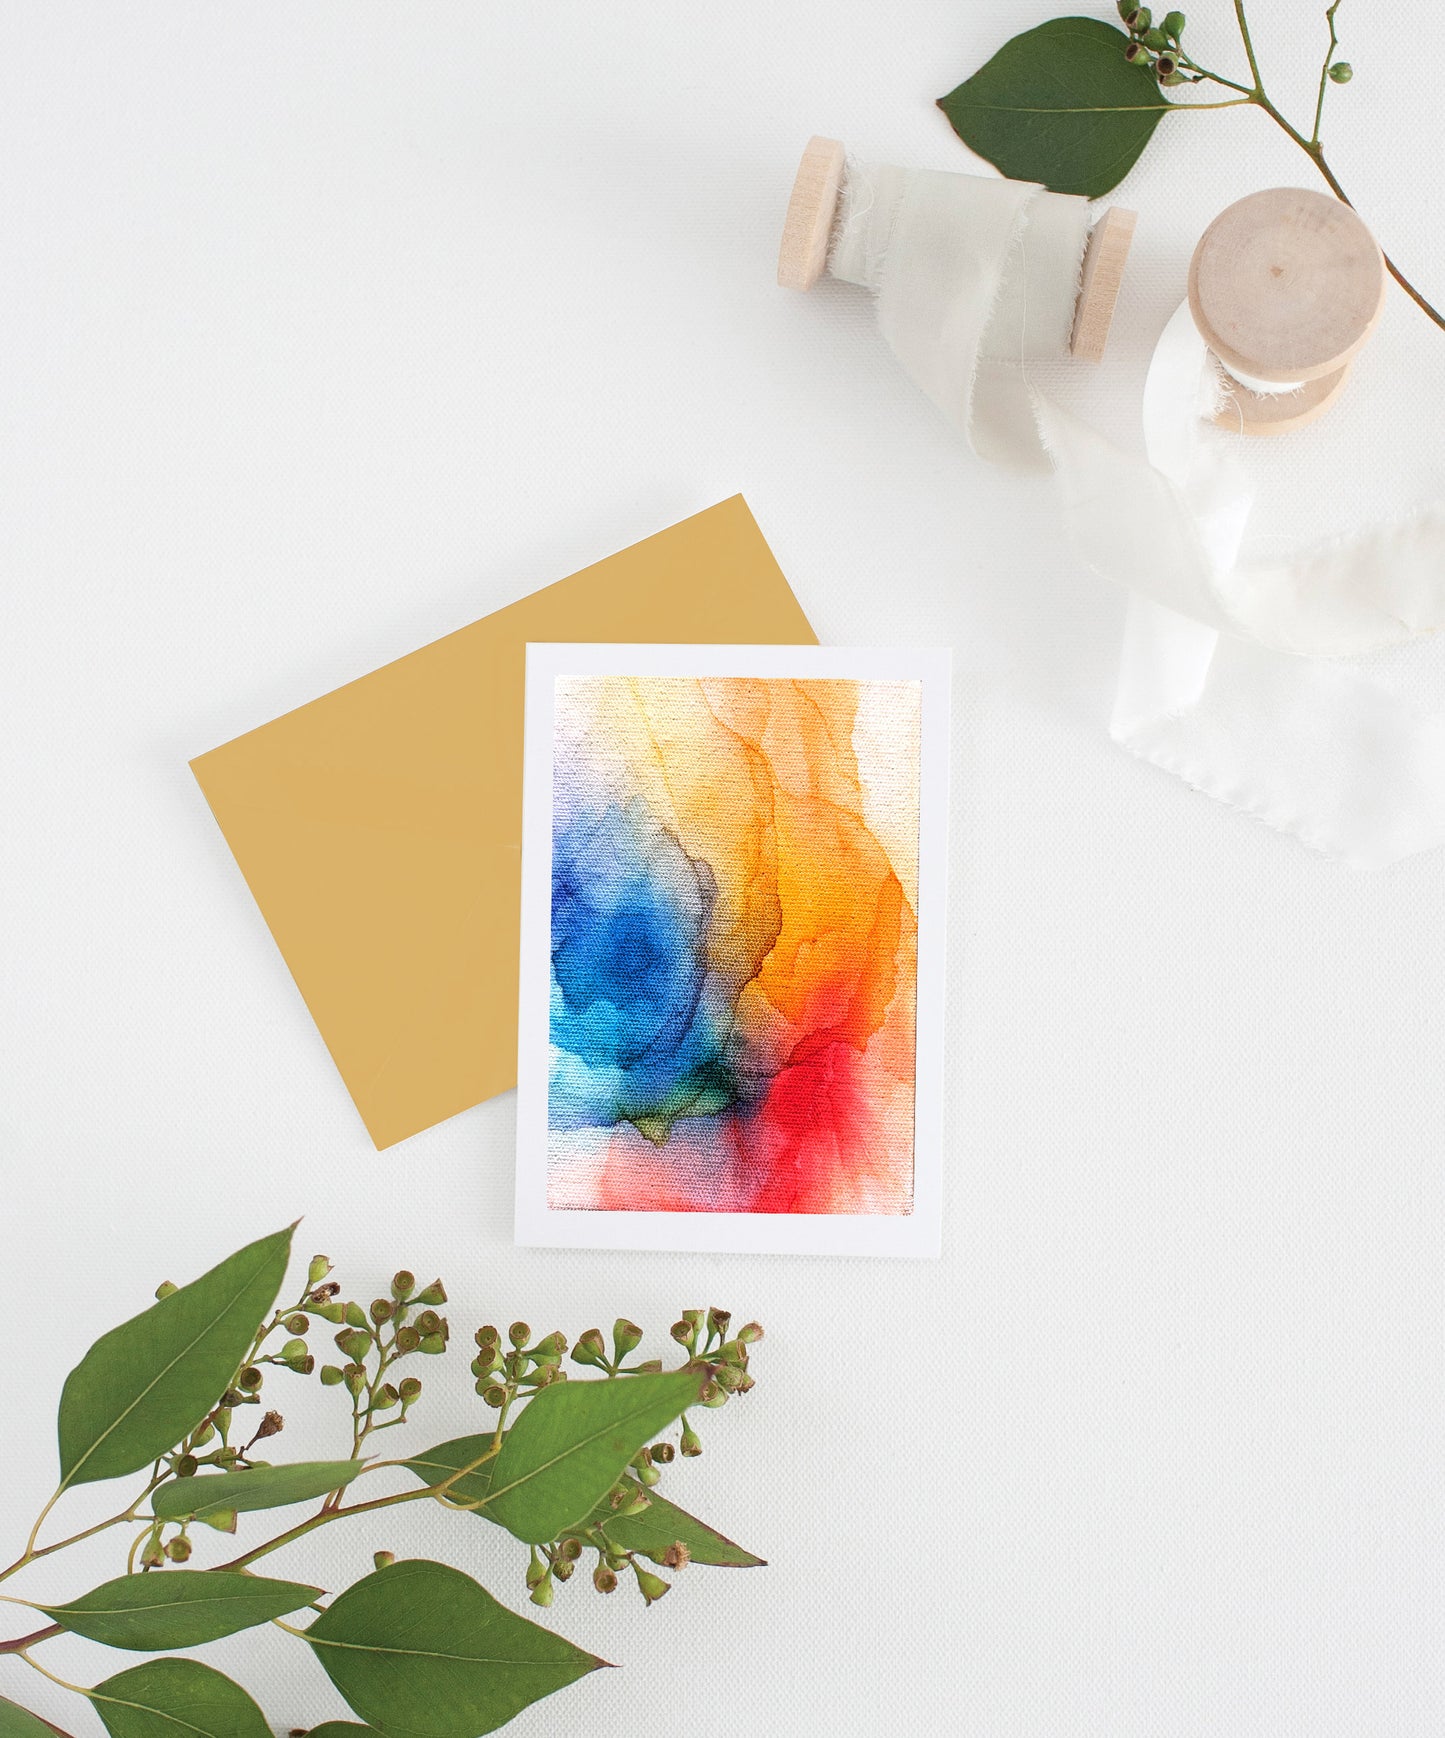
column 726, row 1038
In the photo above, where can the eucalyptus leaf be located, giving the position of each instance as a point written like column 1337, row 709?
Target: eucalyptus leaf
column 177, row 1699
column 651, row 1533
column 340, row 1729
column 261, row 1487
column 573, row 1443
column 419, row 1650
column 142, row 1386
column 18, row 1722
column 179, row 1608
column 661, row 1525
column 1060, row 105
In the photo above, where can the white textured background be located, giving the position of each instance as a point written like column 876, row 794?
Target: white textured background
column 326, row 328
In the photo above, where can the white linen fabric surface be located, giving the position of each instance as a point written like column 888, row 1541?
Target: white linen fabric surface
column 974, row 280
column 325, row 329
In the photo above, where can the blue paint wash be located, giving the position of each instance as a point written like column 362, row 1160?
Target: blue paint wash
column 637, row 1037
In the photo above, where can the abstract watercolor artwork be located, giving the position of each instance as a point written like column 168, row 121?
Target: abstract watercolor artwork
column 732, row 940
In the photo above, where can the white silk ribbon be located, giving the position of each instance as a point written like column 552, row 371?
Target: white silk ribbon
column 1230, row 676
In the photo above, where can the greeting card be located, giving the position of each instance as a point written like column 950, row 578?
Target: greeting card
column 731, row 970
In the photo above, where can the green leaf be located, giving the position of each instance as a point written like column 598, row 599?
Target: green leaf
column 1060, row 105
column 177, row 1699
column 651, row 1533
column 572, row 1444
column 261, row 1487
column 661, row 1525
column 142, row 1386
column 340, row 1729
column 419, row 1650
column 178, row 1608
column 18, row 1722
column 436, row 1464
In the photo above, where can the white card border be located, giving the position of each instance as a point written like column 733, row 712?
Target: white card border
column 918, row 1234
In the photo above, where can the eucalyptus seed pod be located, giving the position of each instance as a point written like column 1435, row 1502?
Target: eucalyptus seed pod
column 626, row 1337
column 329, row 1312
column 717, row 1322
column 297, row 1323
column 409, row 1388
column 167, row 1288
column 562, row 1571
column 355, row 1343
column 271, row 1425
column 435, row 1293
column 355, row 1378
column 383, row 1559
column 495, row 1395
column 487, row 1336
column 536, row 1569
column 293, row 1349
column 1174, row 25
column 203, row 1433
column 403, row 1284
column 570, row 1550
column 677, row 1555
column 355, row 1315
column 407, row 1339
column 179, row 1548
column 250, row 1379
column 590, row 1348
column 318, row 1270
column 649, row 1475
column 303, row 1366
column 662, row 1453
column 751, row 1333
column 682, row 1332
column 604, row 1579
column 185, row 1466
column 222, row 1520
column 652, row 1587
column 382, row 1310
column 542, row 1592
column 431, row 1344
column 222, row 1417
column 387, row 1397
column 331, row 1374
column 519, row 1333
column 691, row 1443
column 1342, row 72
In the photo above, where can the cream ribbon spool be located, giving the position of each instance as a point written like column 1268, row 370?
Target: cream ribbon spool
column 1225, row 676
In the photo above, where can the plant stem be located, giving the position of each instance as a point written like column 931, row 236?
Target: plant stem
column 1248, row 44
column 1325, row 71
column 324, row 1516
column 21, row 1642
column 64, row 1683
column 32, row 1552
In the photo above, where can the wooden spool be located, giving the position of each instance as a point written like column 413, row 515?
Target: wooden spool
column 1286, row 287
column 808, row 229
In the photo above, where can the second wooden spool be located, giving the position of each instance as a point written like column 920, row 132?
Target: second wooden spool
column 1285, row 287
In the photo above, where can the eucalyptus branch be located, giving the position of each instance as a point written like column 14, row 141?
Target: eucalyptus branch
column 571, row 1457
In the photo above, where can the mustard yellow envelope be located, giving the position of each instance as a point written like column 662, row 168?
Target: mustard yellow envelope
column 380, row 827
